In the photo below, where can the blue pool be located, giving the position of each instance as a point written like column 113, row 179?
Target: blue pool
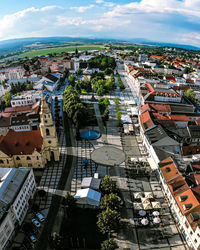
column 90, row 135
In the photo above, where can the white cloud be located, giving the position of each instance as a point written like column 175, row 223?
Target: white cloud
column 190, row 38
column 187, row 7
column 81, row 9
column 11, row 24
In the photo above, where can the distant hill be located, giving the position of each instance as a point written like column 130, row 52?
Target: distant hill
column 18, row 45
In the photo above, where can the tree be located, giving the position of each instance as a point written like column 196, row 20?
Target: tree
column 79, row 72
column 72, row 80
column 69, row 200
column 111, row 201
column 190, row 94
column 109, row 244
column 108, row 220
column 108, row 185
column 108, row 71
column 7, row 98
column 76, row 51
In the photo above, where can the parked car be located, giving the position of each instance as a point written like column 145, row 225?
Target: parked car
column 32, row 238
column 36, row 222
column 40, row 217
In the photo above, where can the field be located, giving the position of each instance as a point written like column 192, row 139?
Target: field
column 47, row 51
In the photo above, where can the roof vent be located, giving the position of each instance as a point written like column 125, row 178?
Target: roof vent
column 168, row 169
column 183, row 198
column 187, row 206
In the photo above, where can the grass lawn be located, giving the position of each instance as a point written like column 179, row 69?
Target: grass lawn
column 79, row 229
column 38, row 52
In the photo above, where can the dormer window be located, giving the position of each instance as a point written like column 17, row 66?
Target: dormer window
column 187, row 206
column 183, row 198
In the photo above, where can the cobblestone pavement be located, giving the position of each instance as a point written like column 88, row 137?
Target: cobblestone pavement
column 51, row 176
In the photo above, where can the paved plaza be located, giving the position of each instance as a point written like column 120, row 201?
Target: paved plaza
column 108, row 156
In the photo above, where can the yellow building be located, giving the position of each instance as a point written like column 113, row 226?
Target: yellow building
column 31, row 149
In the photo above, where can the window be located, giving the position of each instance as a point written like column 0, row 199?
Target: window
column 45, row 121
column 191, row 233
column 47, row 132
column 28, row 158
column 1, row 161
column 195, row 241
column 17, row 158
column 37, row 157
column 19, row 165
column 49, row 142
column 30, row 165
column 186, row 224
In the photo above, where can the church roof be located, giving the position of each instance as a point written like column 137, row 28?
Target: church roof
column 24, row 143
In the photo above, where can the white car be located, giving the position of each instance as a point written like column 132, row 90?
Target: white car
column 40, row 217
column 36, row 222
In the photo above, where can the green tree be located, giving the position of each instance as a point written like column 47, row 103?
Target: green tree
column 109, row 244
column 108, row 185
column 69, row 200
column 108, row 220
column 111, row 201
column 7, row 98
column 108, row 71
column 72, row 80
column 190, row 94
column 79, row 72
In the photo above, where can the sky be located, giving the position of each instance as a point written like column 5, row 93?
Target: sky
column 175, row 21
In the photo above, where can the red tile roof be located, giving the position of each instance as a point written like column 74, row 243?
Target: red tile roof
column 183, row 118
column 161, row 108
column 7, row 115
column 146, row 121
column 188, row 203
column 169, row 169
column 191, row 150
column 25, row 143
column 17, row 109
column 177, row 185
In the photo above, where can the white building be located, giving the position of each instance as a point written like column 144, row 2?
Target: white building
column 17, row 186
column 27, row 98
column 2, row 92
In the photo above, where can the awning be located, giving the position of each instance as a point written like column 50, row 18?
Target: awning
column 137, row 205
column 138, row 195
column 148, row 195
column 145, row 201
column 156, row 204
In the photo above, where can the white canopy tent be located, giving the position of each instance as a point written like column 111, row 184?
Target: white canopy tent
column 137, row 206
column 138, row 195
column 156, row 204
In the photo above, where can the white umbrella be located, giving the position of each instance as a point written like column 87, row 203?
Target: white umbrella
column 147, row 206
column 144, row 221
column 142, row 212
column 137, row 206
column 133, row 159
column 145, row 200
column 138, row 195
column 155, row 204
column 156, row 220
column 148, row 195
column 156, row 213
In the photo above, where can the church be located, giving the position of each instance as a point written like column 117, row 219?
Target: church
column 31, row 149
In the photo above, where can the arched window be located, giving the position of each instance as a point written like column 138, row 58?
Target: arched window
column 28, row 158
column 47, row 132
column 1, row 161
column 17, row 158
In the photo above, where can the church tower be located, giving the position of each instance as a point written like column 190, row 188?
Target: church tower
column 48, row 132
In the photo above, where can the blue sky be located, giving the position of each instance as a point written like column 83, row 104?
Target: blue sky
column 176, row 21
